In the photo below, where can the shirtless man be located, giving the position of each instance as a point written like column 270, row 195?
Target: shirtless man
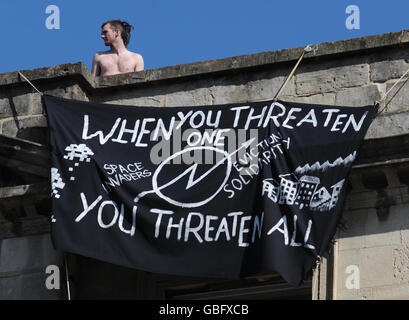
column 116, row 34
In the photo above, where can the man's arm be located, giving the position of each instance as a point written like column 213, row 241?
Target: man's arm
column 96, row 70
column 139, row 63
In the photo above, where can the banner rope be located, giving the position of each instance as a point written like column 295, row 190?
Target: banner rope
column 305, row 50
column 67, row 279
column 387, row 92
column 25, row 78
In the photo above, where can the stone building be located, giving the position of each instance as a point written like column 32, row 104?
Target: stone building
column 370, row 256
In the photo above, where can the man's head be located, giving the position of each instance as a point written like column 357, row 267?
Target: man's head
column 114, row 30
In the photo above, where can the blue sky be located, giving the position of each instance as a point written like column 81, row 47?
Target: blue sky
column 183, row 31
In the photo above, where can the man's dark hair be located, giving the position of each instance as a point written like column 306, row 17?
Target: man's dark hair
column 123, row 26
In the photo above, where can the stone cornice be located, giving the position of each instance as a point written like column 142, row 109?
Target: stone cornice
column 80, row 72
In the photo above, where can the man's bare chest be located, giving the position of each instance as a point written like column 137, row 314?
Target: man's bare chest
column 112, row 63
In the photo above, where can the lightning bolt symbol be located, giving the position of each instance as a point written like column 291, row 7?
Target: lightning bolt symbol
column 192, row 182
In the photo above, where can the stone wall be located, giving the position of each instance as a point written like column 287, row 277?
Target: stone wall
column 346, row 73
column 23, row 263
column 375, row 244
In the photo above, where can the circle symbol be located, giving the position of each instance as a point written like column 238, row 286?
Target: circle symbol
column 157, row 190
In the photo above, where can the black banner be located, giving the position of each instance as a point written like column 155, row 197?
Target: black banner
column 221, row 191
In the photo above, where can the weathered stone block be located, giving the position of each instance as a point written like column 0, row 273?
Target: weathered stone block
column 224, row 94
column 404, row 235
column 5, row 110
column 343, row 259
column 27, row 104
column 28, row 287
column 375, row 266
column 361, row 200
column 27, row 254
column 382, row 237
column 151, row 97
column 365, row 230
column 362, row 96
column 394, row 292
column 266, row 88
column 197, row 97
column 398, row 99
column 332, row 79
column 25, row 127
column 392, row 177
column 154, row 101
column 353, row 236
column 401, row 264
column 322, row 98
column 387, row 232
column 386, row 70
column 70, row 92
column 348, row 294
column 388, row 125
